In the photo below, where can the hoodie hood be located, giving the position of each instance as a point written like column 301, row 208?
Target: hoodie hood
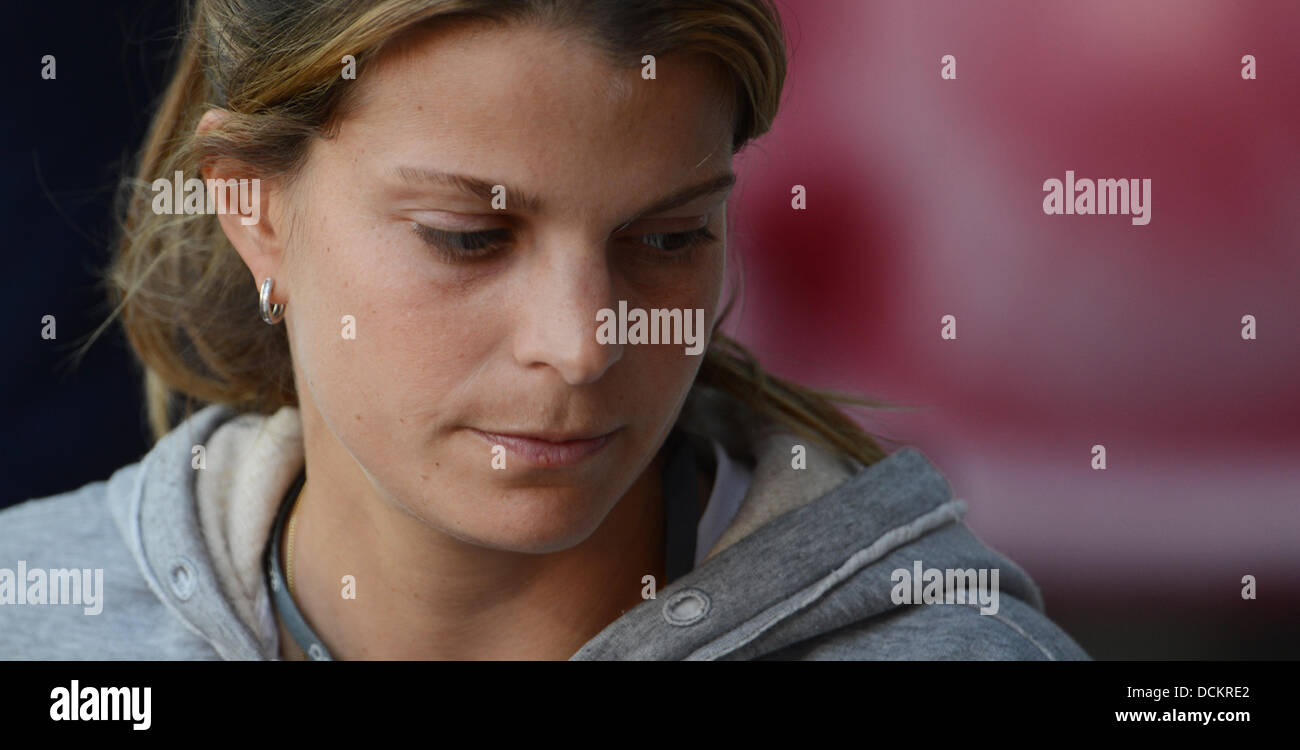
column 806, row 563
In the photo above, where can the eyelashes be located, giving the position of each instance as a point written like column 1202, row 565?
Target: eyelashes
column 462, row 246
column 680, row 243
column 465, row 247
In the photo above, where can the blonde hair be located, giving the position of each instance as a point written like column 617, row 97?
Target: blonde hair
column 181, row 289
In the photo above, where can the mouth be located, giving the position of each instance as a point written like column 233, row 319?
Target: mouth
column 549, row 449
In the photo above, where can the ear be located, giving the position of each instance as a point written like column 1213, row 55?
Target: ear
column 252, row 216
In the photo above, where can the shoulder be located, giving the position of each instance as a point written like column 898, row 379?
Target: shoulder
column 88, row 520
column 70, row 585
column 73, row 522
column 942, row 632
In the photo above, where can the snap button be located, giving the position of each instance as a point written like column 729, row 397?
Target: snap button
column 686, row 607
column 316, row 652
column 183, row 578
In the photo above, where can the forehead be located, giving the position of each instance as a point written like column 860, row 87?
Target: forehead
column 538, row 104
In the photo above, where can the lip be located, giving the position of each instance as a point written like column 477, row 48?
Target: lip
column 547, row 452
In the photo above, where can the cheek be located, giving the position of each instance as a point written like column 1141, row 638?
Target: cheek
column 381, row 346
column 662, row 377
column 656, row 377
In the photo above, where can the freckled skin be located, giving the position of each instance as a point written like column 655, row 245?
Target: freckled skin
column 468, row 555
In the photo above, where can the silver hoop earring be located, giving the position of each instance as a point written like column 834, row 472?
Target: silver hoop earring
column 271, row 313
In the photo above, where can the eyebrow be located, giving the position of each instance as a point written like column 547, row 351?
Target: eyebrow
column 534, row 204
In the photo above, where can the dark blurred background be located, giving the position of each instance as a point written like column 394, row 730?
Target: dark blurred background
column 66, row 143
column 924, row 200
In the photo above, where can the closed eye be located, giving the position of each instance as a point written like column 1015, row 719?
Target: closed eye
column 463, row 246
column 678, row 247
column 470, row 246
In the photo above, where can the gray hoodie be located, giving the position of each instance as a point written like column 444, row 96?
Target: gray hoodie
column 828, row 561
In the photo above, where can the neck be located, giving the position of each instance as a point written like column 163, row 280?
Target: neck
column 424, row 594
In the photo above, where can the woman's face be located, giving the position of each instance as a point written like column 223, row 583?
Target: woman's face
column 458, row 339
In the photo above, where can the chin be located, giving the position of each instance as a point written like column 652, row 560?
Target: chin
column 534, row 520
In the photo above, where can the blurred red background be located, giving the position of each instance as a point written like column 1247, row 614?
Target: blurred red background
column 924, row 199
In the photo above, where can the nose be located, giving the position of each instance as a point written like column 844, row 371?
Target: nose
column 566, row 286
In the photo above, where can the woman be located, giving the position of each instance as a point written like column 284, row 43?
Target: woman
column 475, row 405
